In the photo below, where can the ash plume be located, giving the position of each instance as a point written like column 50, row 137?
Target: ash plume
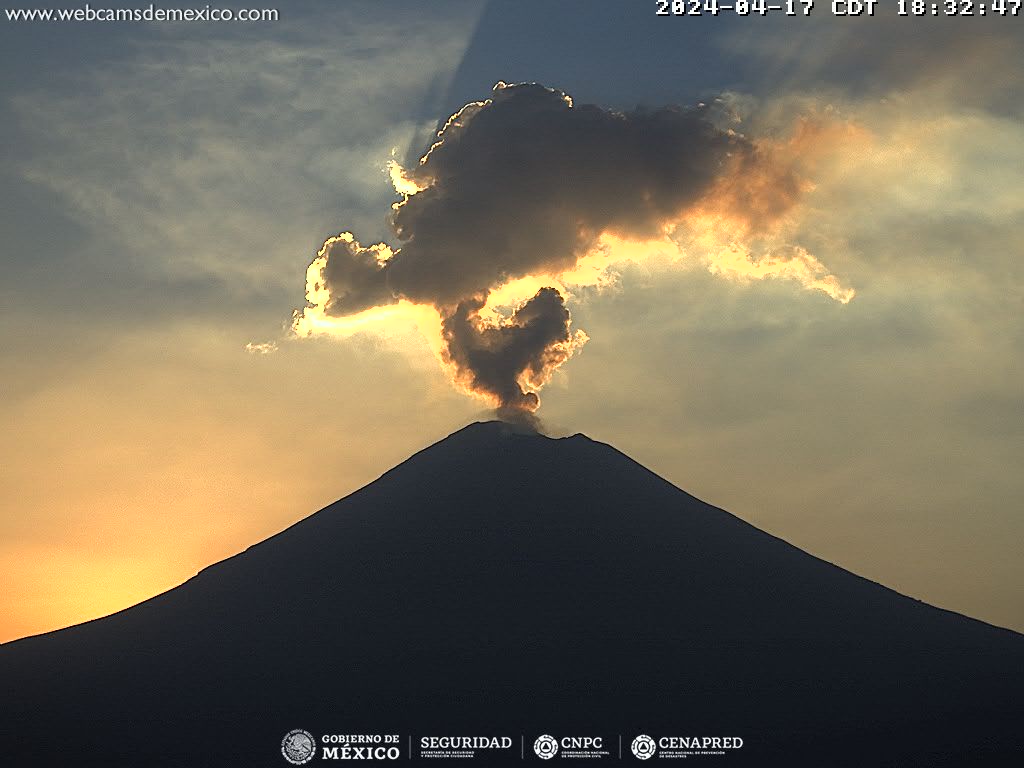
column 526, row 184
column 501, row 359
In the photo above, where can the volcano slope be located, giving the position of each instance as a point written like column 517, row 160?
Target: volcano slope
column 501, row 582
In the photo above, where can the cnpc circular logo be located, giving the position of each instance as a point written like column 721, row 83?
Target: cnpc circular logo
column 546, row 747
column 298, row 746
column 644, row 746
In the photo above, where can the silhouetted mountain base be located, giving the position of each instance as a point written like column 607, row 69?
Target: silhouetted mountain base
column 502, row 583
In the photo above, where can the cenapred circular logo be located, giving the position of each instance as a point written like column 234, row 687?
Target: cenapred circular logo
column 644, row 746
column 298, row 746
column 546, row 747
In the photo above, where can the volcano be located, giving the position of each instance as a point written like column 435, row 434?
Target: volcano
column 503, row 583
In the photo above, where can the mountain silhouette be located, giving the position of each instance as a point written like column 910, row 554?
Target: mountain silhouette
column 501, row 582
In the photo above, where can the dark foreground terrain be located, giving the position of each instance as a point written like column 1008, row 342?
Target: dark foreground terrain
column 501, row 583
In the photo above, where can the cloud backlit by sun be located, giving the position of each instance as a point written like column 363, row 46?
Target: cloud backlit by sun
column 526, row 195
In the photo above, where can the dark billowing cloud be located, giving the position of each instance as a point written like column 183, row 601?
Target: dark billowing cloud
column 526, row 183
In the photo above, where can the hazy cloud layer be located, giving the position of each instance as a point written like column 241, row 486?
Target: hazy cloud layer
column 197, row 163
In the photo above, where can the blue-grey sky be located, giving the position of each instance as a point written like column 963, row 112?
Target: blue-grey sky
column 166, row 186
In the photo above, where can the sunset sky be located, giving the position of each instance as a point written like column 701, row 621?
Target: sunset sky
column 827, row 342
